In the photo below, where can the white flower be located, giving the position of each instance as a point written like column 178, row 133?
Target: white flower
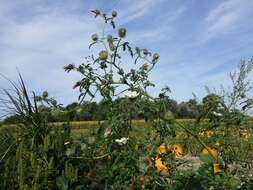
column 107, row 132
column 131, row 94
column 66, row 143
column 121, row 141
column 217, row 114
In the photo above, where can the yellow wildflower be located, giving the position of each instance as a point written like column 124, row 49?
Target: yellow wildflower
column 216, row 168
column 142, row 182
column 213, row 151
column 161, row 149
column 177, row 150
column 202, row 133
column 209, row 134
column 245, row 135
column 159, row 165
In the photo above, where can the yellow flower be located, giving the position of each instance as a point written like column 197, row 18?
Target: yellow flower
column 204, row 151
column 142, row 182
column 245, row 135
column 159, row 165
column 161, row 149
column 217, row 143
column 209, row 134
column 216, row 168
column 177, row 150
column 202, row 133
column 142, row 179
column 213, row 151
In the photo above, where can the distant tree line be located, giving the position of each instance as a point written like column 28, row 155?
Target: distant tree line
column 90, row 111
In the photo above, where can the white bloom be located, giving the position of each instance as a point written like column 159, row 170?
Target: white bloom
column 217, row 114
column 107, row 132
column 131, row 94
column 121, row 141
column 66, row 143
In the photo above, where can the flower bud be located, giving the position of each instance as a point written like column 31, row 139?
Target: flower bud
column 103, row 55
column 45, row 94
column 155, row 57
column 114, row 13
column 122, row 32
column 94, row 37
column 145, row 51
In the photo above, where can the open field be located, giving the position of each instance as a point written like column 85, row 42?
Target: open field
column 90, row 124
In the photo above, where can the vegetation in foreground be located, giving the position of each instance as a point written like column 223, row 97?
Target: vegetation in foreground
column 214, row 154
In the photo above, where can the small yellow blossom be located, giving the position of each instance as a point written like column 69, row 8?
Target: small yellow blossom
column 209, row 134
column 161, row 149
column 177, row 150
column 202, row 133
column 216, row 168
column 213, row 151
column 245, row 135
column 142, row 182
column 159, row 165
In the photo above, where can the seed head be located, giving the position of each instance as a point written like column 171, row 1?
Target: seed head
column 114, row 14
column 122, row 32
column 94, row 37
column 103, row 55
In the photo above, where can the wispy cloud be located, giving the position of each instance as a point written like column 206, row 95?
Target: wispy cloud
column 39, row 45
column 228, row 15
column 130, row 10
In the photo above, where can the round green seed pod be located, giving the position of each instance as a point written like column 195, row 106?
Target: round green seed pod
column 122, row 32
column 155, row 57
column 114, row 14
column 103, row 55
column 45, row 94
column 94, row 37
column 145, row 51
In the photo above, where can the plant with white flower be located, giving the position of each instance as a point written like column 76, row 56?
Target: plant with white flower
column 217, row 114
column 132, row 94
column 107, row 132
column 122, row 141
column 66, row 143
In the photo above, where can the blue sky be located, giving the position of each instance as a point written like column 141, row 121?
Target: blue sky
column 199, row 42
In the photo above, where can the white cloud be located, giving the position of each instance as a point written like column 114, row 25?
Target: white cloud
column 39, row 41
column 133, row 10
column 228, row 15
column 40, row 45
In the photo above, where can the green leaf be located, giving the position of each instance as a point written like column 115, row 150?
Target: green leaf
column 62, row 183
column 206, row 159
